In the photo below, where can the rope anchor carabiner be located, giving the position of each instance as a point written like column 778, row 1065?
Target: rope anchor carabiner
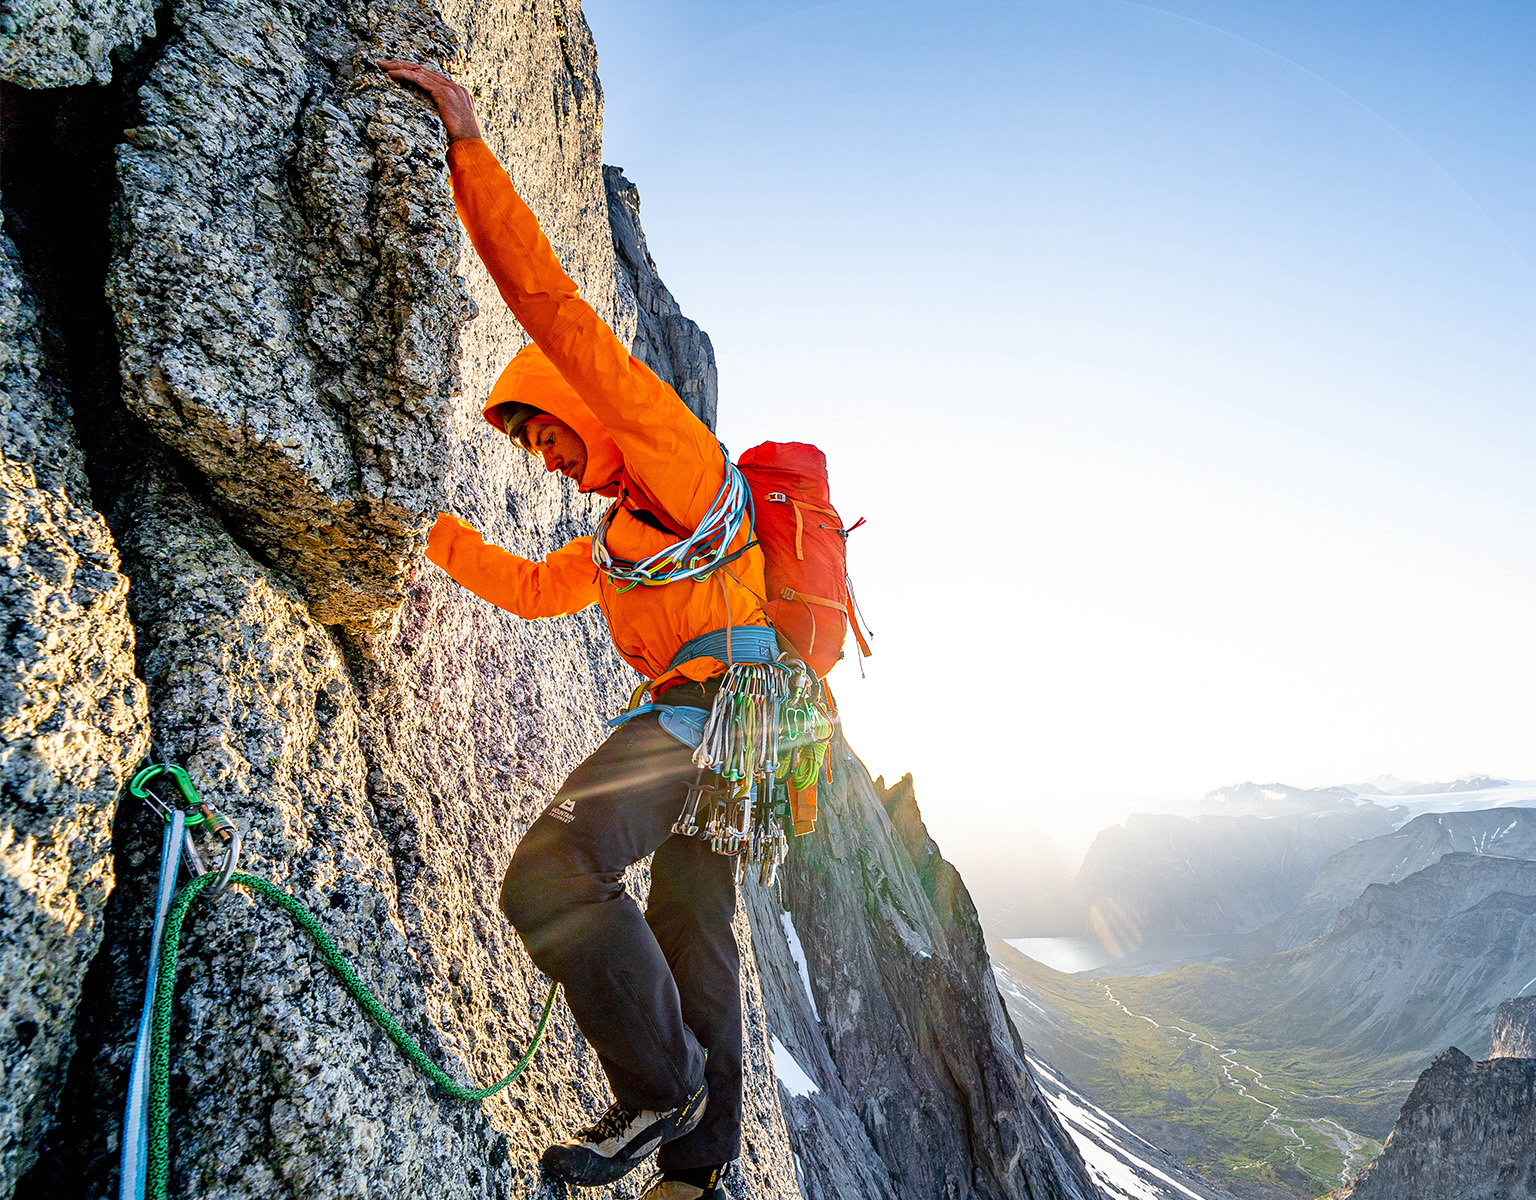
column 198, row 812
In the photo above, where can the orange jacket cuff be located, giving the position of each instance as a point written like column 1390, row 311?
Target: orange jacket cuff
column 440, row 540
column 469, row 153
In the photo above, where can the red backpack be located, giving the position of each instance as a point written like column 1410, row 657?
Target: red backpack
column 810, row 600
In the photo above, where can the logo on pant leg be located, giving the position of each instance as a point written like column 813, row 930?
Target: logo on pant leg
column 564, row 811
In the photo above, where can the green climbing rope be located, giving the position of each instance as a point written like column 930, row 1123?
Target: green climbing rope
column 160, row 1060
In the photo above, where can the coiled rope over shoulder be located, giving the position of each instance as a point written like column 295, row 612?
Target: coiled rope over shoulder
column 695, row 556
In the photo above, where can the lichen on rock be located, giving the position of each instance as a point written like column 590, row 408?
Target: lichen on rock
column 55, row 43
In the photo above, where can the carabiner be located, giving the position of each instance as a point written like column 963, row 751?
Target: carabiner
column 198, row 812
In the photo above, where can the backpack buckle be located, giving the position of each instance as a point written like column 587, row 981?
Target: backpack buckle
column 777, row 497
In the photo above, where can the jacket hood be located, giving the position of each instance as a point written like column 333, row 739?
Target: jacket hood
column 530, row 378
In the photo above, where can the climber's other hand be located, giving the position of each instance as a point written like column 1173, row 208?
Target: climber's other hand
column 454, row 103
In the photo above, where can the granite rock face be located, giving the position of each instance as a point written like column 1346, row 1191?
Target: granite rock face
column 73, row 727
column 73, row 722
column 54, row 43
column 284, row 283
column 1467, row 1132
column 882, row 1000
column 35, row 416
column 299, row 398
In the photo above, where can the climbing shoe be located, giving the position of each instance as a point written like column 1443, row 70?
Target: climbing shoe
column 619, row 1140
column 701, row 1183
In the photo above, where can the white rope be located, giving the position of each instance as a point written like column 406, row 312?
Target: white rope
column 696, row 555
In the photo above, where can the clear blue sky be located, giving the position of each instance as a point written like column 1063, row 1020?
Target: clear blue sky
column 1182, row 358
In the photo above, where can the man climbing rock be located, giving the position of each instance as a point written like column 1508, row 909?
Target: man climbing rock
column 656, row 996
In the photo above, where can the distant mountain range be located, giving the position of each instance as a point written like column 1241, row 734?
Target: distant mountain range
column 1161, row 875
column 1423, row 841
column 1387, row 946
column 1406, row 969
column 1281, row 799
column 1241, row 860
column 1396, row 787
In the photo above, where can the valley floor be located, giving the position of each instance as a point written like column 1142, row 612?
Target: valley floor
column 1262, row 1124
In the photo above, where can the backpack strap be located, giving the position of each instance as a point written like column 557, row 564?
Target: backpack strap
column 782, row 498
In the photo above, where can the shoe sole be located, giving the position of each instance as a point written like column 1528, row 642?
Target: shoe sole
column 573, row 1164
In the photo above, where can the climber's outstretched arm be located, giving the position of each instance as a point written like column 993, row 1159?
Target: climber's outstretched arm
column 665, row 446
column 565, row 582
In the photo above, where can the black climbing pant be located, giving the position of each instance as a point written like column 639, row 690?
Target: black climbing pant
column 651, row 994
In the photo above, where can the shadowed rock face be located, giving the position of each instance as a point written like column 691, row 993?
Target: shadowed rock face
column 923, row 1087
column 1423, row 841
column 1466, row 1132
column 665, row 340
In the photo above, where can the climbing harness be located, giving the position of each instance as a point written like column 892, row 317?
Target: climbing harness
column 759, row 748
column 762, row 745
column 694, row 556
column 146, row 1139
column 765, row 744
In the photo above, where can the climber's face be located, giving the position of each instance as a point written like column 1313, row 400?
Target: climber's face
column 558, row 444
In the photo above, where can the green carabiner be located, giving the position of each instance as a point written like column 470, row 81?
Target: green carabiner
column 138, row 787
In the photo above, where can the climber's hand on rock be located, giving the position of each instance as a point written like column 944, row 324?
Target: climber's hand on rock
column 454, row 103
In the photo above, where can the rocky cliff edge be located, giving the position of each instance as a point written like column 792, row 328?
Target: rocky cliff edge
column 1468, row 1129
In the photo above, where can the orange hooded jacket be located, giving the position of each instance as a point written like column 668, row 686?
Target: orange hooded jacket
column 643, row 447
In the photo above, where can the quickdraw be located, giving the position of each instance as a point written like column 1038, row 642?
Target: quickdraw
column 141, row 1162
column 768, row 731
column 198, row 813
column 145, row 1160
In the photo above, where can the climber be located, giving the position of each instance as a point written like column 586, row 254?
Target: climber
column 657, row 997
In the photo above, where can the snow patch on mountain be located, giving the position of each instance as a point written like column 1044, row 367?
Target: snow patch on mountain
column 797, row 952
column 792, row 1076
column 1122, row 1163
